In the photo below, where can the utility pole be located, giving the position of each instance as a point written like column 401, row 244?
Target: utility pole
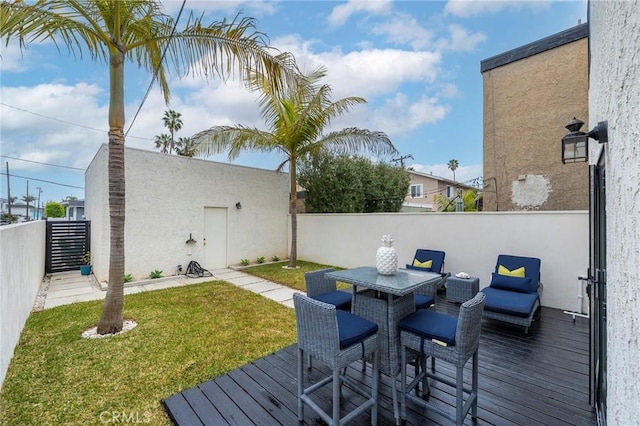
column 38, row 211
column 27, row 200
column 401, row 159
column 9, row 195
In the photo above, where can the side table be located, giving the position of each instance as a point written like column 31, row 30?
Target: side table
column 462, row 289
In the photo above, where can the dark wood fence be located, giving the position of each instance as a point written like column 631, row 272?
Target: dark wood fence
column 67, row 241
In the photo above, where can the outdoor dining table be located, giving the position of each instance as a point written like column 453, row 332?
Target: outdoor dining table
column 386, row 300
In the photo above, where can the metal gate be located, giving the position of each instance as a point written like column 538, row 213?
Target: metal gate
column 67, row 242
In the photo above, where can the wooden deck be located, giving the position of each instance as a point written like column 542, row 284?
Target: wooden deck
column 540, row 378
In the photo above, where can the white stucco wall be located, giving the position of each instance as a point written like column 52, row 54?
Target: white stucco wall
column 166, row 196
column 614, row 95
column 472, row 242
column 21, row 271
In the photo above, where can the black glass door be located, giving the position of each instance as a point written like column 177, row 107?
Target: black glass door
column 598, row 289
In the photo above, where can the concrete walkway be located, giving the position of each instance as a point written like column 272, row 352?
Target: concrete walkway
column 69, row 287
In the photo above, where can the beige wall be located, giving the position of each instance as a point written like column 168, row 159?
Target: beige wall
column 472, row 242
column 527, row 103
column 166, row 197
column 22, row 252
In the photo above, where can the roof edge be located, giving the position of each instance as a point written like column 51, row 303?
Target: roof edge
column 551, row 42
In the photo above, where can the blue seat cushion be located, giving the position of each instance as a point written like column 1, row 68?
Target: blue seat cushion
column 353, row 329
column 423, row 302
column 431, row 325
column 509, row 283
column 509, row 302
column 339, row 299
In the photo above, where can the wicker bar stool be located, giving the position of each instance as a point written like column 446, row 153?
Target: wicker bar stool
column 448, row 338
column 336, row 338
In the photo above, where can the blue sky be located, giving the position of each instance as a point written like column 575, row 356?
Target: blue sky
column 417, row 63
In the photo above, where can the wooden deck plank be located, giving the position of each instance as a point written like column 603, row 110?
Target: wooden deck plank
column 539, row 378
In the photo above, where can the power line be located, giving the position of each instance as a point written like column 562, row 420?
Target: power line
column 42, row 180
column 45, row 164
column 155, row 72
column 67, row 122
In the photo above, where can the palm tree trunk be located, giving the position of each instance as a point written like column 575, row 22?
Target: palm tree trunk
column 111, row 320
column 293, row 209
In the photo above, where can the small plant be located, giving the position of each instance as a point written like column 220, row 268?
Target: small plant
column 275, row 259
column 260, row 259
column 86, row 258
column 128, row 278
column 155, row 274
column 244, row 262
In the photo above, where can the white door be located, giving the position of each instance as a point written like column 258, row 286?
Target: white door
column 215, row 238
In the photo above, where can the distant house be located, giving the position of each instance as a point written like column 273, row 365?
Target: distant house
column 74, row 209
column 423, row 188
column 530, row 93
column 19, row 210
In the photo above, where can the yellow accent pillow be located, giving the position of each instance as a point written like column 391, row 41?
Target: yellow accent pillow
column 426, row 264
column 515, row 273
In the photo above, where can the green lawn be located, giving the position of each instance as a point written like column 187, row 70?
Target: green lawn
column 293, row 278
column 185, row 336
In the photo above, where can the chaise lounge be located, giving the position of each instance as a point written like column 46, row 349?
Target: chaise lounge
column 513, row 295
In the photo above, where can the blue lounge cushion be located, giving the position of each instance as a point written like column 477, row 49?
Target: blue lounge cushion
column 431, row 325
column 509, row 302
column 353, row 329
column 418, row 268
column 510, row 283
column 339, row 299
column 423, row 301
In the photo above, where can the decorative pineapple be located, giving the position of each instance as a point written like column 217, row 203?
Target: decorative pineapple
column 386, row 257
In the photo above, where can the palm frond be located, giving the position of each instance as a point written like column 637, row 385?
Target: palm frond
column 353, row 140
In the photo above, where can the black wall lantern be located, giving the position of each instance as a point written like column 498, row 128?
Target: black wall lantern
column 575, row 144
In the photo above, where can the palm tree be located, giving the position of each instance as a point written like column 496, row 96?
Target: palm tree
column 186, row 147
column 173, row 122
column 163, row 142
column 453, row 165
column 27, row 199
column 115, row 32
column 296, row 118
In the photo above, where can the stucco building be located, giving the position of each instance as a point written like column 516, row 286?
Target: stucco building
column 423, row 188
column 180, row 209
column 530, row 94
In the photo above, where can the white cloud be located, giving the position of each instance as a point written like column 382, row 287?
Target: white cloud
column 27, row 129
column 366, row 73
column 12, row 59
column 461, row 40
column 469, row 8
column 464, row 174
column 398, row 115
column 341, row 14
column 404, row 29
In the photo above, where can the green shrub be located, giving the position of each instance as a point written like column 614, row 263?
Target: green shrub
column 275, row 259
column 128, row 278
column 244, row 262
column 260, row 259
column 155, row 274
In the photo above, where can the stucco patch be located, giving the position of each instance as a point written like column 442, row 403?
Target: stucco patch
column 530, row 193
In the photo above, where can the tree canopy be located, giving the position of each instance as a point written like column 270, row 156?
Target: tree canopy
column 351, row 184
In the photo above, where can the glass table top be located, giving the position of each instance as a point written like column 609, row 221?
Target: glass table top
column 404, row 281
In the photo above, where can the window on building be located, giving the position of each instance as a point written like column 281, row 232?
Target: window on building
column 415, row 190
column 451, row 191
